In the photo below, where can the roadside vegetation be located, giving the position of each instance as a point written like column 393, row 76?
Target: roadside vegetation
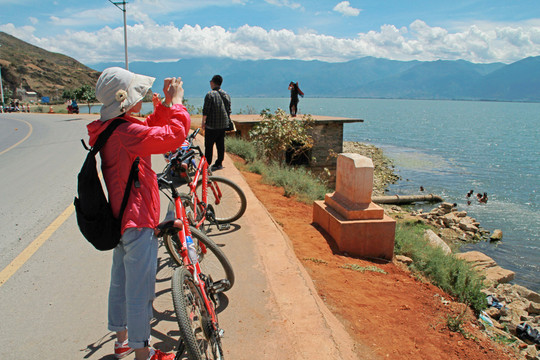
column 453, row 275
column 265, row 155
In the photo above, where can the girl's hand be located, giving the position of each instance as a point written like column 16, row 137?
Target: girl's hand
column 155, row 99
column 173, row 90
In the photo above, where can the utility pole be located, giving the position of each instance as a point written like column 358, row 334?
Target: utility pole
column 1, row 87
column 123, row 8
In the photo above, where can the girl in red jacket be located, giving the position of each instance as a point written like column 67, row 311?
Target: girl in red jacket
column 134, row 267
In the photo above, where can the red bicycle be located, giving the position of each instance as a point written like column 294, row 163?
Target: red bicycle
column 214, row 199
column 195, row 294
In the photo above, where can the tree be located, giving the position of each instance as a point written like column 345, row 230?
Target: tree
column 87, row 94
column 68, row 94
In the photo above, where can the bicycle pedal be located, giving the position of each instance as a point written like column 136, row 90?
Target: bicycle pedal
column 220, row 286
column 222, row 227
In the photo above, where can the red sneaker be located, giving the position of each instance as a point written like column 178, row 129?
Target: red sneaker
column 159, row 355
column 121, row 350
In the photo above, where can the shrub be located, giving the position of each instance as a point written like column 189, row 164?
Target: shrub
column 277, row 133
column 453, row 275
column 296, row 182
column 257, row 167
column 245, row 149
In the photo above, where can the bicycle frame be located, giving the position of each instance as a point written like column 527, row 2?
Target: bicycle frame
column 184, row 236
column 202, row 174
column 200, row 205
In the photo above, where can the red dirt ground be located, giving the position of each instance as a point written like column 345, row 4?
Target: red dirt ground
column 395, row 314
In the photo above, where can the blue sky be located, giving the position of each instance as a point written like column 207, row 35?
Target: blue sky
column 329, row 30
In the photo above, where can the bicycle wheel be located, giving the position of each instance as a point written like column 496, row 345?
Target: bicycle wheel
column 232, row 204
column 212, row 259
column 194, row 322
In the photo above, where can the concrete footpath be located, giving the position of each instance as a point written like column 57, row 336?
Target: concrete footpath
column 56, row 304
column 279, row 298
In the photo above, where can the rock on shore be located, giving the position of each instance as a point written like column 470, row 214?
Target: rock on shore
column 447, row 217
column 513, row 305
column 488, row 267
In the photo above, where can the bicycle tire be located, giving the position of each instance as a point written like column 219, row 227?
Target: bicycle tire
column 199, row 340
column 232, row 204
column 213, row 263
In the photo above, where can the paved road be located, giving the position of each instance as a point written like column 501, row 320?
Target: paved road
column 53, row 285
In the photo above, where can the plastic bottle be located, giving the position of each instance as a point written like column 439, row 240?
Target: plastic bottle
column 192, row 251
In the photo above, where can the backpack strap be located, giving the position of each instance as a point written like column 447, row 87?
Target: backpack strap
column 134, row 172
column 105, row 134
column 133, row 177
column 225, row 103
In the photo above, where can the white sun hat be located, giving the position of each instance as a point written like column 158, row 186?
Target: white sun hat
column 119, row 90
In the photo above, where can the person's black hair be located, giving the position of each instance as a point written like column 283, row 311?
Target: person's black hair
column 217, row 79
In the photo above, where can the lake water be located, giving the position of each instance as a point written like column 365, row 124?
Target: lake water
column 449, row 148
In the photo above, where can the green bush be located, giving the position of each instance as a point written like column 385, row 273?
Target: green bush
column 257, row 167
column 453, row 275
column 245, row 149
column 277, row 133
column 295, row 181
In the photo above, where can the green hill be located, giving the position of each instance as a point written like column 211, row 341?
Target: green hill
column 31, row 68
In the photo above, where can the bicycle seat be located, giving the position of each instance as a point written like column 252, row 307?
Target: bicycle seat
column 168, row 227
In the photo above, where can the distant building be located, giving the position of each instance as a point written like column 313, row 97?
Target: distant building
column 30, row 96
column 26, row 96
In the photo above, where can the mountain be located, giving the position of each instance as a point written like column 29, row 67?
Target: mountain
column 430, row 80
column 269, row 78
column 518, row 81
column 364, row 78
column 27, row 66
column 34, row 69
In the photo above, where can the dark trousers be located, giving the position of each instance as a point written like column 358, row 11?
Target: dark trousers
column 293, row 106
column 211, row 137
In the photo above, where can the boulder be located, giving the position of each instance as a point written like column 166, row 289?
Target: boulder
column 446, row 206
column 450, row 219
column 487, row 267
column 404, row 259
column 496, row 236
column 531, row 353
column 526, row 293
column 467, row 225
column 534, row 308
column 493, row 312
column 436, row 241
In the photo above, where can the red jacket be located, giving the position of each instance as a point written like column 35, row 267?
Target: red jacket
column 163, row 131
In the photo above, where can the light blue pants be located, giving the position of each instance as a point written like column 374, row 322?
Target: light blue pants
column 133, row 282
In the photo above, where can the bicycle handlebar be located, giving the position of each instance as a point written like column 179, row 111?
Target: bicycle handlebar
column 192, row 135
column 178, row 157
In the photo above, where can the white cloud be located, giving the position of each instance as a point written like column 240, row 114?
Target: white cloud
column 346, row 9
column 24, row 32
column 419, row 41
column 33, row 20
column 285, row 3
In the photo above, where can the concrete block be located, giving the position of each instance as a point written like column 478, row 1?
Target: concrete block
column 354, row 178
column 373, row 238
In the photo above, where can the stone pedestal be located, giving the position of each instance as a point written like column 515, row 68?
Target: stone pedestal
column 358, row 226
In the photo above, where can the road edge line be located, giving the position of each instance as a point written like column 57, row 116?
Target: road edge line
column 34, row 246
column 20, row 141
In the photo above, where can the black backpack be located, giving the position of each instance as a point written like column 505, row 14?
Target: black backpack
column 94, row 214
